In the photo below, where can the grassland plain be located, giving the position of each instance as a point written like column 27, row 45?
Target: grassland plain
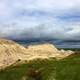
column 44, row 69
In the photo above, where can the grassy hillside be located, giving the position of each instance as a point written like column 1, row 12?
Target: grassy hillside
column 48, row 69
column 33, row 70
column 68, row 68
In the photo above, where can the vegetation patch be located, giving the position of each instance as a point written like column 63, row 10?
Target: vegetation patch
column 46, row 69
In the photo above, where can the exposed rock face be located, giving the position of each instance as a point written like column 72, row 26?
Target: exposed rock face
column 43, row 50
column 10, row 52
column 65, row 53
column 47, row 50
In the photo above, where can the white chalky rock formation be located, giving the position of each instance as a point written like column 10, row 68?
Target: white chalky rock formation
column 43, row 50
column 11, row 52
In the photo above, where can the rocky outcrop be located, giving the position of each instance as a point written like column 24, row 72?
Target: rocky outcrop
column 65, row 53
column 43, row 50
column 11, row 52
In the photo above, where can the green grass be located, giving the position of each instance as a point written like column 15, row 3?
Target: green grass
column 48, row 69
column 69, row 68
column 45, row 67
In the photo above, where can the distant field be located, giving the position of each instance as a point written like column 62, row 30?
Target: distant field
column 48, row 69
column 73, row 49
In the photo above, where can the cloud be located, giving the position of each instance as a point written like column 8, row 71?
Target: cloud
column 28, row 19
column 65, row 31
column 13, row 8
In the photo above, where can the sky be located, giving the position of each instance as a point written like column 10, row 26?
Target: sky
column 40, row 19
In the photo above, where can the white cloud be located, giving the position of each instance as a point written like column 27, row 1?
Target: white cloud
column 48, row 30
column 12, row 7
column 24, row 21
